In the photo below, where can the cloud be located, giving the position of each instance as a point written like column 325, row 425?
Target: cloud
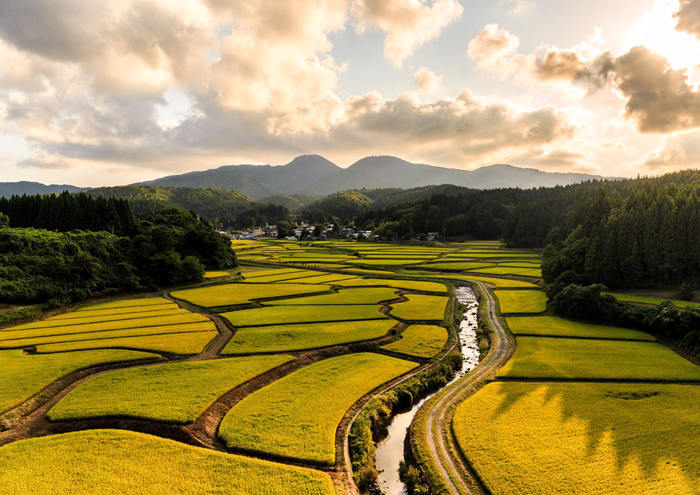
column 408, row 23
column 677, row 151
column 427, row 81
column 659, row 99
column 470, row 127
column 495, row 50
column 688, row 17
column 518, row 7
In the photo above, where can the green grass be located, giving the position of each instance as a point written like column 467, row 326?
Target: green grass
column 175, row 343
column 172, row 392
column 423, row 341
column 521, row 301
column 106, row 462
column 547, row 358
column 211, row 275
column 285, row 338
column 275, row 315
column 537, row 438
column 233, row 294
column 421, row 308
column 551, row 325
column 633, row 298
column 345, row 296
column 23, row 376
column 399, row 284
column 297, row 416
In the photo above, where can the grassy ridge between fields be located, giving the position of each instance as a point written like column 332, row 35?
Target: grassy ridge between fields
column 172, row 392
column 297, row 417
column 103, row 462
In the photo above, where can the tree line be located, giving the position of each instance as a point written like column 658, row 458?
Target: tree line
column 55, row 268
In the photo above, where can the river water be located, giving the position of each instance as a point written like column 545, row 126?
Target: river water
column 390, row 450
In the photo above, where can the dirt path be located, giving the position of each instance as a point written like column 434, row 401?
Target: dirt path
column 438, row 430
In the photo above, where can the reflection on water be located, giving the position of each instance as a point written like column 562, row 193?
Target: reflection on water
column 390, row 450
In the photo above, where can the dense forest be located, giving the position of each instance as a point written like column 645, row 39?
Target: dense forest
column 66, row 212
column 55, row 268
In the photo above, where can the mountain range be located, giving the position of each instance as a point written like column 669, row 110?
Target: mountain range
column 313, row 175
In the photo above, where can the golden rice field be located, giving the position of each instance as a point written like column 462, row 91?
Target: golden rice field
column 423, row 341
column 297, row 417
column 521, row 301
column 244, row 293
column 373, row 295
column 559, row 327
column 298, row 337
column 174, row 343
column 553, row 438
column 104, row 462
column 420, row 307
column 23, row 376
column 561, row 358
column 172, row 392
column 275, row 315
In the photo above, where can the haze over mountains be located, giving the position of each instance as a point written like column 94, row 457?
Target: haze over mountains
column 316, row 176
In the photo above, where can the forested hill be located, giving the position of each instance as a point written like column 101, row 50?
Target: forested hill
column 224, row 208
column 629, row 233
column 85, row 246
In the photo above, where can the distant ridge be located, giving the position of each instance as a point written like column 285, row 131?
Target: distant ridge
column 7, row 189
column 314, row 175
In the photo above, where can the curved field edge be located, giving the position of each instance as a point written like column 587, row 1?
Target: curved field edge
column 102, row 462
column 296, row 417
column 173, row 392
column 24, row 376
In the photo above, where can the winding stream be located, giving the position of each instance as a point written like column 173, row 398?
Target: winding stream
column 390, row 450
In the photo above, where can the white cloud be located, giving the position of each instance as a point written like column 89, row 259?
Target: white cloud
column 408, row 23
column 427, row 81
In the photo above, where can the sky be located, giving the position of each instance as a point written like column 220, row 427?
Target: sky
column 121, row 91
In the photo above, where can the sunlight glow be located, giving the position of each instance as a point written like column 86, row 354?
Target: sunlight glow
column 657, row 31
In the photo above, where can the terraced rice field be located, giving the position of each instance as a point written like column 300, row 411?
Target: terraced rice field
column 344, row 296
column 521, row 301
column 244, row 293
column 172, row 392
column 421, row 308
column 547, row 438
column 174, row 343
column 399, row 284
column 297, row 417
column 500, row 283
column 103, row 462
column 275, row 315
column 509, row 270
column 556, row 358
column 23, row 376
column 559, row 327
column 287, row 338
column 423, row 341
